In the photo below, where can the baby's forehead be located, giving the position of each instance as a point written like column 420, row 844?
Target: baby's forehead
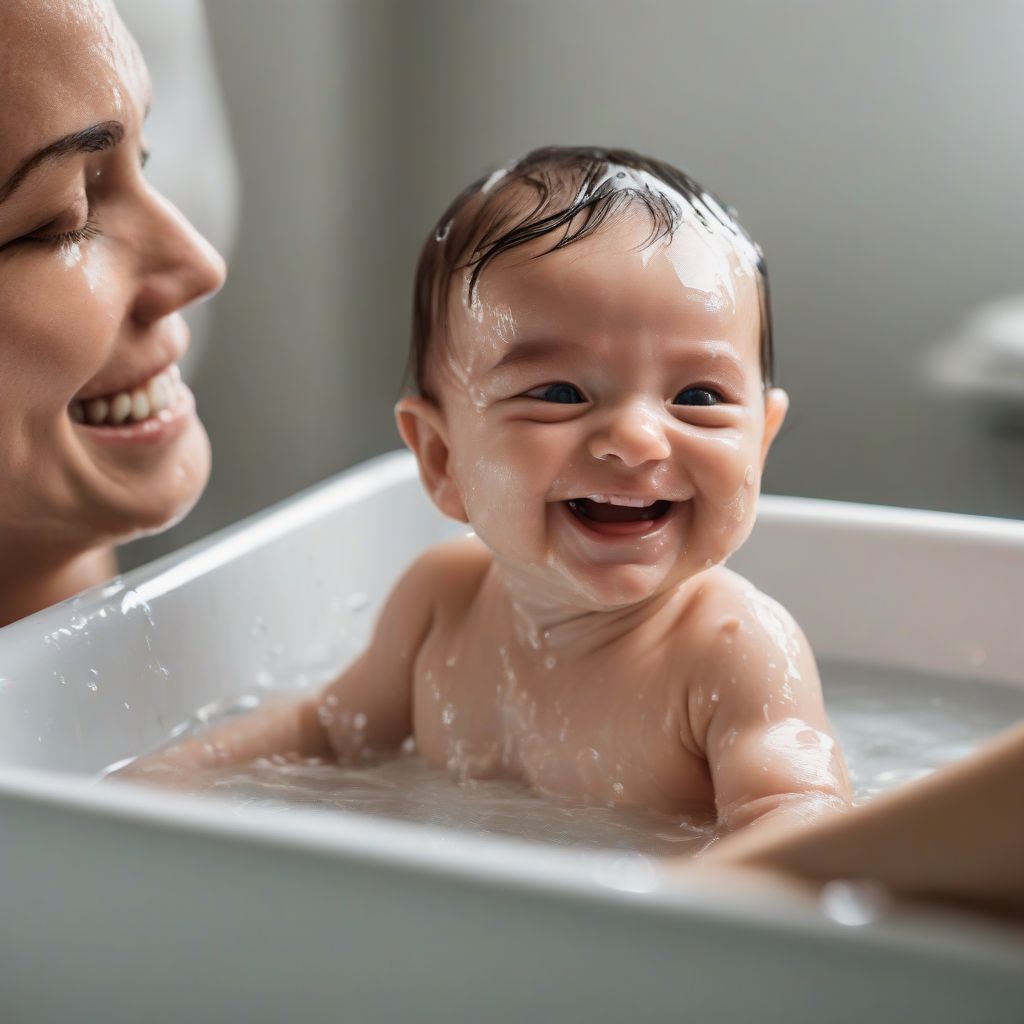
column 692, row 281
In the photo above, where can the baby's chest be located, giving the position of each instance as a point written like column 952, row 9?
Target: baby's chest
column 605, row 736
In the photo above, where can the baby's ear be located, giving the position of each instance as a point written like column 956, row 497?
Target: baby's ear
column 776, row 403
column 421, row 424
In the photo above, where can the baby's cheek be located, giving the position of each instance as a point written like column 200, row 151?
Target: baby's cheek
column 726, row 473
column 491, row 489
column 727, row 483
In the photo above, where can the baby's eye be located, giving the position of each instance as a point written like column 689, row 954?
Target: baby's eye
column 697, row 396
column 562, row 393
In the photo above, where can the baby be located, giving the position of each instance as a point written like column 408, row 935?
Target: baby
column 592, row 358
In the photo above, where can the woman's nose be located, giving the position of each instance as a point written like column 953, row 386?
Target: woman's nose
column 177, row 265
column 633, row 434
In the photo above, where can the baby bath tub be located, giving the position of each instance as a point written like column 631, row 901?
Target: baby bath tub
column 119, row 903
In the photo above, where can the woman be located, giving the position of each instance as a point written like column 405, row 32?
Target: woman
column 99, row 440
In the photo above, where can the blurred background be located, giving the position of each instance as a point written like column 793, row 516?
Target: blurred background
column 873, row 150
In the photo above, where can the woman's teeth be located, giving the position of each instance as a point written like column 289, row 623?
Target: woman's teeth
column 157, row 394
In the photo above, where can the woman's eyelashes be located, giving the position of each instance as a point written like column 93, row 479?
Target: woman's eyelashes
column 64, row 229
column 698, row 396
column 90, row 229
column 560, row 393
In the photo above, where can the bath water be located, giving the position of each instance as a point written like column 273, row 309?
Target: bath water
column 893, row 726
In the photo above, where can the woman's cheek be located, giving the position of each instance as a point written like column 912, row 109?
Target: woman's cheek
column 57, row 346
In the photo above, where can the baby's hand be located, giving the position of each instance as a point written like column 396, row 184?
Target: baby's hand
column 757, row 714
column 286, row 727
column 170, row 768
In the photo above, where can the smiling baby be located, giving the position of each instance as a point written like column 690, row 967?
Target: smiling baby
column 592, row 362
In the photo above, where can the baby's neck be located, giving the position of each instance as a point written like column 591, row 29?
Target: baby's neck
column 542, row 622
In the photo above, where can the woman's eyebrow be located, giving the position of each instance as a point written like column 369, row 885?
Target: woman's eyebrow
column 104, row 135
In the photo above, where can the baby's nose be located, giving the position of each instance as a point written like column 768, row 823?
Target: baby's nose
column 633, row 434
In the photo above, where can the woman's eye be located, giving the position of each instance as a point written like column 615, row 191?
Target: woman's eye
column 697, row 396
column 561, row 393
column 50, row 235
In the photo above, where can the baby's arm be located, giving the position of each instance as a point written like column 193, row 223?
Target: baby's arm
column 756, row 711
column 367, row 708
column 957, row 834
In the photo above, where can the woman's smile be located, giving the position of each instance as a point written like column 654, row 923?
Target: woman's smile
column 158, row 409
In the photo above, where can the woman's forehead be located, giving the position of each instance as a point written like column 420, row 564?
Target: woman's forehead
column 67, row 64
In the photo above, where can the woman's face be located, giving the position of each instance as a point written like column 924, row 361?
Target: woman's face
column 98, row 438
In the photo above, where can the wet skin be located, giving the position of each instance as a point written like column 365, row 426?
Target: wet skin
column 94, row 269
column 598, row 653
column 596, row 660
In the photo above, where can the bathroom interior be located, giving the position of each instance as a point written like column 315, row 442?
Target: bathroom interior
column 868, row 149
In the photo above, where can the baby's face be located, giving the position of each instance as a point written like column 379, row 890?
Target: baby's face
column 604, row 411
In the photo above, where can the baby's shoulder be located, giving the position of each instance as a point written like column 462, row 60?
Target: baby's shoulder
column 450, row 572
column 730, row 611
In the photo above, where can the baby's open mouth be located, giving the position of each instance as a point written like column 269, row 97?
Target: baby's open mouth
column 602, row 510
column 143, row 402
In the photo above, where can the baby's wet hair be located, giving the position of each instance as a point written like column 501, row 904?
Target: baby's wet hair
column 567, row 192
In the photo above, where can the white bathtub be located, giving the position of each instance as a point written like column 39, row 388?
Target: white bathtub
column 124, row 904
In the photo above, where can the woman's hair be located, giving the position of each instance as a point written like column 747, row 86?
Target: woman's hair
column 571, row 190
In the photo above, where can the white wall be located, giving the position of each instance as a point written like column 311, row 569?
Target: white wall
column 872, row 148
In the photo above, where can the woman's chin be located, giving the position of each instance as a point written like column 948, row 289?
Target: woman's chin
column 146, row 499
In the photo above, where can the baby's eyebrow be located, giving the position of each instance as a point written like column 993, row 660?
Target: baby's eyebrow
column 714, row 350
column 532, row 350
column 536, row 349
column 104, row 135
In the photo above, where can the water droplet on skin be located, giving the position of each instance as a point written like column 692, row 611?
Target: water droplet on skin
column 550, row 662
column 359, row 721
column 618, row 788
column 750, row 476
column 448, row 714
